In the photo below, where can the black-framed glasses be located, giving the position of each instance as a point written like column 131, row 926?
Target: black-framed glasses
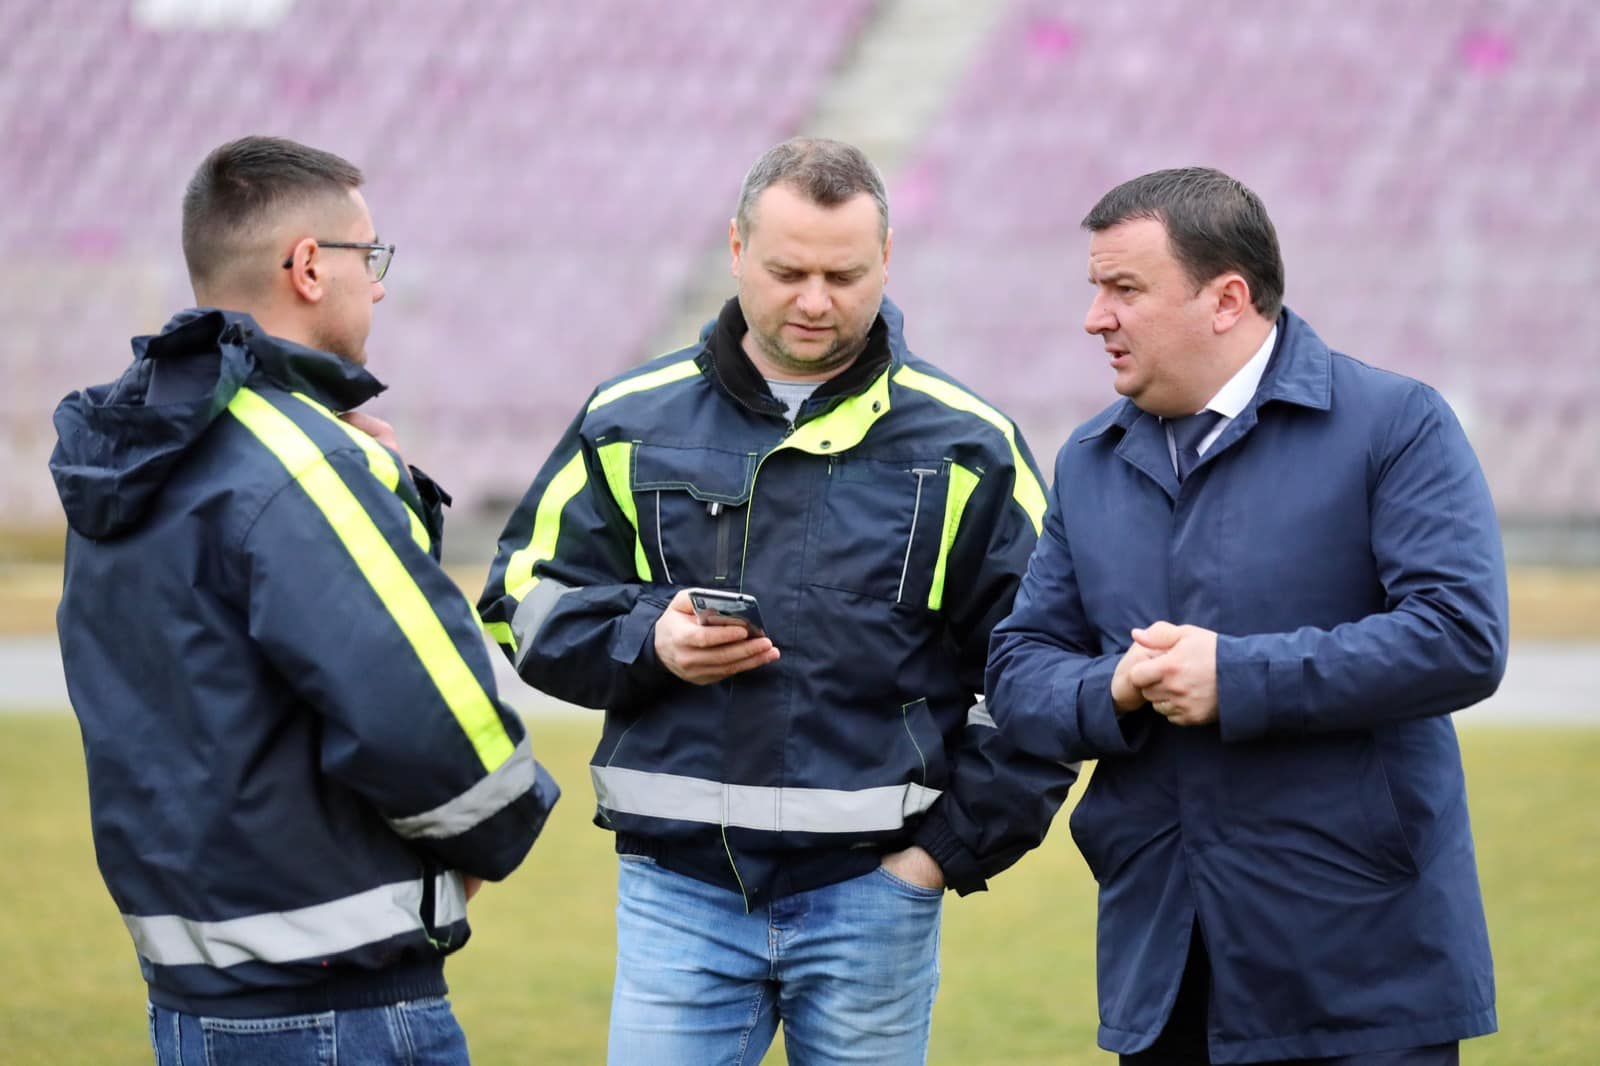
column 379, row 256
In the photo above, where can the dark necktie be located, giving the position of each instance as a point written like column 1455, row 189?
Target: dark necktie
column 1187, row 433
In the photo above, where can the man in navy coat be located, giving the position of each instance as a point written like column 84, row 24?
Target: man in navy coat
column 1268, row 574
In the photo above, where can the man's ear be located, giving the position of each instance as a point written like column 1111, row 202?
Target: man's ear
column 1233, row 302
column 304, row 277
column 735, row 247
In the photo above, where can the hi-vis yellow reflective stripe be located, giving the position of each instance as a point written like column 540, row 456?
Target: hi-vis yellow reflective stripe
column 567, row 483
column 962, row 484
column 378, row 563
column 653, row 380
column 379, row 461
column 840, row 429
column 617, row 461
column 1027, row 490
column 844, row 426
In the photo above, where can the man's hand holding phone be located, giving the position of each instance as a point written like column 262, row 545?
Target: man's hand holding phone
column 702, row 654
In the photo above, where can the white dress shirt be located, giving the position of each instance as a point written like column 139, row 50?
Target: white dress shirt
column 1231, row 399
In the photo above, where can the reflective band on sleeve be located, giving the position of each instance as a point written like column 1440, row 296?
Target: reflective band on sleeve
column 774, row 810
column 962, row 484
column 567, row 483
column 477, row 804
column 379, row 461
column 531, row 613
column 472, row 707
column 644, row 382
column 449, row 898
column 1029, row 493
column 617, row 461
column 307, row 933
column 500, row 633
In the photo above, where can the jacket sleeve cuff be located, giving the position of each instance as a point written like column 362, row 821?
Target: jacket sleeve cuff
column 434, row 500
column 958, row 864
column 635, row 643
column 1255, row 695
column 429, row 491
column 1102, row 729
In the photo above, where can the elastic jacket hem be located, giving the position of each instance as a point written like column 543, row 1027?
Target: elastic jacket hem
column 799, row 871
column 349, row 990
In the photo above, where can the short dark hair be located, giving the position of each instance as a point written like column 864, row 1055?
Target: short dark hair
column 1214, row 225
column 241, row 184
column 828, row 172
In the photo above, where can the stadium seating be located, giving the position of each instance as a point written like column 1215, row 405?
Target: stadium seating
column 1431, row 169
column 549, row 172
column 554, row 173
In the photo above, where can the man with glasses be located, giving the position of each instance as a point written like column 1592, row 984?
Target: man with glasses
column 299, row 769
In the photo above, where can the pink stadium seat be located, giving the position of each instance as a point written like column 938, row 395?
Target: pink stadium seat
column 1431, row 168
column 551, row 174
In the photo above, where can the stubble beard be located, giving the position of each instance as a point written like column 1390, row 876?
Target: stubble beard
column 840, row 354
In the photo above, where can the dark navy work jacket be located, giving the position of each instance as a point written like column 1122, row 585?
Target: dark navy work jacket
column 883, row 531
column 294, row 742
column 1340, row 537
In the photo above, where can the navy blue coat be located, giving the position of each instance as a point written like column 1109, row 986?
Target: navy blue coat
column 293, row 740
column 1340, row 537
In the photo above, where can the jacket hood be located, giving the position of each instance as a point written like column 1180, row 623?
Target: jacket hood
column 118, row 443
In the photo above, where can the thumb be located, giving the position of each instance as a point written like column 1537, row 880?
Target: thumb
column 1158, row 636
column 680, row 603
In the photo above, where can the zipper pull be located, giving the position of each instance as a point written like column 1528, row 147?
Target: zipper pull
column 714, row 508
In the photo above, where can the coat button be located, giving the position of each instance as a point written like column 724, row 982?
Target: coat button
column 877, row 406
column 826, row 445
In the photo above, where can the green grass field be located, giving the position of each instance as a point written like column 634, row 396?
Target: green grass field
column 534, row 984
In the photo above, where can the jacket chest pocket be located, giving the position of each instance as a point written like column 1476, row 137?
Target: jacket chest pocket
column 881, row 528
column 692, row 504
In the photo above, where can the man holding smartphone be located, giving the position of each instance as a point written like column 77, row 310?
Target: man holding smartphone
column 789, row 807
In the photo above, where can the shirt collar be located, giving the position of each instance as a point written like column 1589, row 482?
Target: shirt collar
column 1235, row 396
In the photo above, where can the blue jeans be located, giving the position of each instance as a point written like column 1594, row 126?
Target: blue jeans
column 422, row 1032
column 850, row 969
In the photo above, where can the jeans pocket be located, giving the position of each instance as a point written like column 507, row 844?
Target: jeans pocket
column 432, row 1033
column 909, row 888
column 298, row 1038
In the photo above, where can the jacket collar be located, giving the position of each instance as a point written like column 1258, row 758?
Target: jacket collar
column 1300, row 372
column 730, row 367
column 333, row 382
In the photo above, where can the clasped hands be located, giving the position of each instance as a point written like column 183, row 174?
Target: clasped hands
column 1174, row 669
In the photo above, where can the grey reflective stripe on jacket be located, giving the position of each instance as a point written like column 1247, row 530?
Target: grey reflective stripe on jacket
column 532, row 612
column 775, row 810
column 313, row 932
column 478, row 804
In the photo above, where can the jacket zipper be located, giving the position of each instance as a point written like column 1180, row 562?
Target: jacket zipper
column 720, row 514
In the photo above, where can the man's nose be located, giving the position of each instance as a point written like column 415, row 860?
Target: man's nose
column 814, row 299
column 1099, row 319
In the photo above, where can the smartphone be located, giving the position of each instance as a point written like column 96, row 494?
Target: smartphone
column 720, row 607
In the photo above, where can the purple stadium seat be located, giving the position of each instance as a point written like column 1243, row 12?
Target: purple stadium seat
column 1431, row 168
column 550, row 173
